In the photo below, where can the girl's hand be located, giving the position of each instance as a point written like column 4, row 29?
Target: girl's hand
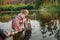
column 24, row 20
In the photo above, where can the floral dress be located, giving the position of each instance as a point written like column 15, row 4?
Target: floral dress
column 17, row 24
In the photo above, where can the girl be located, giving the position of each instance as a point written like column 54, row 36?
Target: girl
column 18, row 23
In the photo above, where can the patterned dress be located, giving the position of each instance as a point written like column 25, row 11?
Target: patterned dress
column 17, row 24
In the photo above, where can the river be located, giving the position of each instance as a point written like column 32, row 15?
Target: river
column 36, row 33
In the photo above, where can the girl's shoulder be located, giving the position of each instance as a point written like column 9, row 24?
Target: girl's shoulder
column 21, row 15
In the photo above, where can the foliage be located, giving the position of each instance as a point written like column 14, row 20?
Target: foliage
column 38, row 3
column 2, row 1
column 51, row 8
column 47, row 13
column 54, row 9
column 45, row 17
column 16, row 7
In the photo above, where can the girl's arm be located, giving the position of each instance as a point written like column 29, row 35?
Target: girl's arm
column 23, row 20
column 29, row 24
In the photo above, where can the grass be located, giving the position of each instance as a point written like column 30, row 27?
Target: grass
column 6, row 17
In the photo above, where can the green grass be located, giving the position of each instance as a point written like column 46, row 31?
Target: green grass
column 7, row 15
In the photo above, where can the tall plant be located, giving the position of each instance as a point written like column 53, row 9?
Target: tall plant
column 38, row 3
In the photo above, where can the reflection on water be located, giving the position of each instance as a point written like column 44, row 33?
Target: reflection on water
column 6, row 26
column 36, row 33
column 35, row 25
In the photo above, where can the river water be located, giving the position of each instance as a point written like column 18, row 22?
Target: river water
column 36, row 33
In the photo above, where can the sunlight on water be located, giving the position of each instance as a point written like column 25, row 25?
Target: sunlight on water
column 36, row 33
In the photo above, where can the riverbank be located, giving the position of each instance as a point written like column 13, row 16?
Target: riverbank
column 36, row 33
column 6, row 18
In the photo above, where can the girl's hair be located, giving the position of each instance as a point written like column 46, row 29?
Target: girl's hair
column 24, row 11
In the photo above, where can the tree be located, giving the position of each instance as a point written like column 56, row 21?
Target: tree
column 2, row 2
column 38, row 3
